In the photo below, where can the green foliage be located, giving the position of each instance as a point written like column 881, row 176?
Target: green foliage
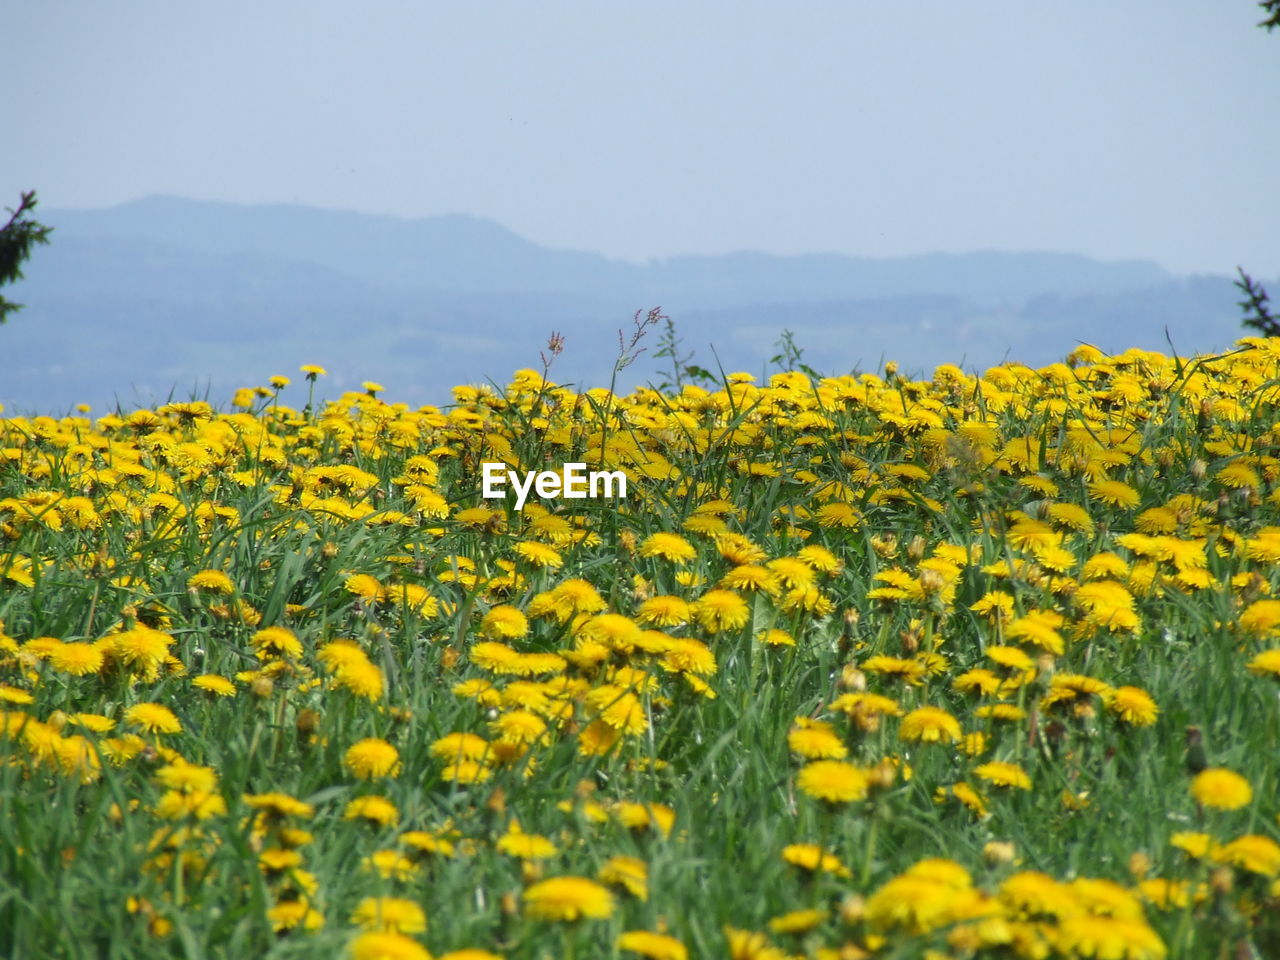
column 790, row 356
column 1272, row 9
column 17, row 237
column 683, row 370
column 1257, row 316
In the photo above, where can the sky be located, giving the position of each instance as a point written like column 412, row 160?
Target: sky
column 1143, row 129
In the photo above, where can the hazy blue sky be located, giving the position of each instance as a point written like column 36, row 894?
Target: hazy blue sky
column 1116, row 128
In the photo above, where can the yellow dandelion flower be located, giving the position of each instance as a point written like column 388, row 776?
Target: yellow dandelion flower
column 386, row 945
column 668, row 546
column 465, row 771
column 1114, row 493
column 460, row 746
column 279, row 805
column 840, row 515
column 362, row 679
column 1194, row 845
column 393, row 914
column 377, row 810
column 749, row 945
column 721, row 610
column 294, row 915
column 519, row 727
column 215, row 581
column 911, row 671
column 833, row 781
column 1002, row 774
column 654, row 946
column 1266, row 664
column 1261, row 618
column 77, row 659
column 1031, row 894
column 597, row 738
column 153, row 718
column 1221, row 789
column 1038, row 627
column 811, row 857
column 1011, row 658
column 504, row 622
column 371, row 758
column 815, row 740
column 664, row 611
column 628, row 873
column 567, row 898
column 775, row 637
column 799, row 921
column 188, row 777
column 527, row 846
column 365, row 586
column 792, row 573
column 141, row 649
column 1092, row 935
column 1252, row 852
column 1133, row 705
column 540, row 555
column 929, row 725
column 277, row 641
column 215, row 684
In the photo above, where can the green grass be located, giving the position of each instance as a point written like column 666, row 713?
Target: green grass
column 75, row 855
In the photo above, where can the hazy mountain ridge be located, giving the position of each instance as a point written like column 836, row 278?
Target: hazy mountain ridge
column 167, row 295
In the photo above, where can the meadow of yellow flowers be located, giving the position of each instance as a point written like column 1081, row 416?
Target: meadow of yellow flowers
column 861, row 667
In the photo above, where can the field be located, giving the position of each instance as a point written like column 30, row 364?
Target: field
column 861, row 667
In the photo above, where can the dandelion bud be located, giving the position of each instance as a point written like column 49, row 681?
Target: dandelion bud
column 159, row 926
column 866, row 722
column 916, row 548
column 57, row 720
column 510, row 905
column 329, row 550
column 307, row 723
column 448, row 657
column 851, row 678
column 852, row 909
column 627, row 541
column 882, row 775
column 497, row 802
column 1222, row 880
column 1198, row 469
column 584, row 789
column 1139, row 865
column 851, row 617
column 999, row 852
column 886, row 547
column 262, row 687
column 931, row 581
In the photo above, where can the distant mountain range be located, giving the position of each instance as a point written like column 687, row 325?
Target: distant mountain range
column 171, row 297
